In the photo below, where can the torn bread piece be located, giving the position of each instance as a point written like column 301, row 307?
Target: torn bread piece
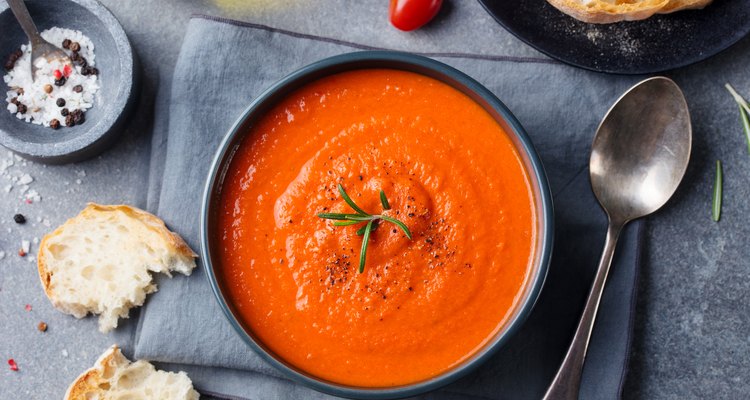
column 114, row 377
column 608, row 11
column 101, row 260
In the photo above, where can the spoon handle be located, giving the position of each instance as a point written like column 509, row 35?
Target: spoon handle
column 567, row 381
column 24, row 19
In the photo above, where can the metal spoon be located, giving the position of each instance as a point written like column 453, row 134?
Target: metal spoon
column 639, row 156
column 39, row 46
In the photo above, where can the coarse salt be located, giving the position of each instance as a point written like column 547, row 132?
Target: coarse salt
column 41, row 107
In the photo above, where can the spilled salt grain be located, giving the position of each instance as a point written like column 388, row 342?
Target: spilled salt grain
column 25, row 179
column 33, row 196
column 25, row 246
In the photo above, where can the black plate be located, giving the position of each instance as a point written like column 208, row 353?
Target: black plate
column 656, row 44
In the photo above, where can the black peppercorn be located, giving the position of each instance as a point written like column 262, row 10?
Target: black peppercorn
column 64, row 112
column 94, row 71
column 54, row 124
column 9, row 65
column 69, row 120
column 61, row 81
column 82, row 61
column 75, row 47
column 78, row 88
column 79, row 118
column 60, row 102
column 22, row 108
column 66, row 44
column 14, row 100
column 19, row 218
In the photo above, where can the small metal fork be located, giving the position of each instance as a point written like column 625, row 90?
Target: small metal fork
column 39, row 46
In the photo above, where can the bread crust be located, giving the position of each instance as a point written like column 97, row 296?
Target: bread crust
column 603, row 12
column 97, row 379
column 90, row 379
column 153, row 222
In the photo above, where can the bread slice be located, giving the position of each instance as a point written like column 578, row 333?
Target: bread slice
column 608, row 11
column 114, row 377
column 101, row 261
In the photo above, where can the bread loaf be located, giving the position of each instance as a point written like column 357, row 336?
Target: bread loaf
column 608, row 11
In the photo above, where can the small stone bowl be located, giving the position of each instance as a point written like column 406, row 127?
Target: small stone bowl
column 113, row 102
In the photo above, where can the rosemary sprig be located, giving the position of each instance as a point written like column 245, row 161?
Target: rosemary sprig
column 718, row 186
column 373, row 221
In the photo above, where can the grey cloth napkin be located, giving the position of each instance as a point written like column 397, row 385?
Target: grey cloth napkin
column 224, row 64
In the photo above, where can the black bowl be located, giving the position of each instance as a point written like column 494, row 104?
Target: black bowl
column 113, row 102
column 423, row 66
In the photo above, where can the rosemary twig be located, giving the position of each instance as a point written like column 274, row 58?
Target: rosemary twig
column 373, row 221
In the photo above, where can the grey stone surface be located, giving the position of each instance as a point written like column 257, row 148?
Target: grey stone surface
column 692, row 323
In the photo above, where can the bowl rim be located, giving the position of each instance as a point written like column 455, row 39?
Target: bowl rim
column 76, row 147
column 444, row 73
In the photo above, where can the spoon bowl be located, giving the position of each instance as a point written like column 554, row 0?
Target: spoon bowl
column 639, row 156
column 40, row 48
column 641, row 149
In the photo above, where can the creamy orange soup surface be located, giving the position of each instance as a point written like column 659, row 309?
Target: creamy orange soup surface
column 421, row 306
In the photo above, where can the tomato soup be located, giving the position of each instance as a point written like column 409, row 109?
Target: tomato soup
column 421, row 306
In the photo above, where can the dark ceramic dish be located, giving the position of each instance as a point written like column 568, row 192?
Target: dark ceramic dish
column 113, row 102
column 656, row 44
column 391, row 60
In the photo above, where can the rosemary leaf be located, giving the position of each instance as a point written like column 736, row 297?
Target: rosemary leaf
column 363, row 252
column 357, row 217
column 346, row 223
column 718, row 184
column 746, row 126
column 384, row 201
column 741, row 101
column 349, row 201
column 334, row 215
column 399, row 224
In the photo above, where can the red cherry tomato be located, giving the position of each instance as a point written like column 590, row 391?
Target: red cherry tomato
column 409, row 15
